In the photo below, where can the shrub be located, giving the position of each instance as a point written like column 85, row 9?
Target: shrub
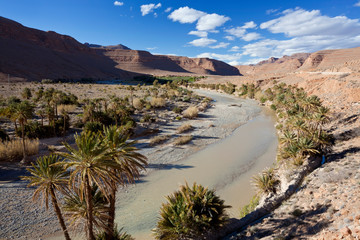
column 249, row 207
column 3, row 135
column 159, row 139
column 265, row 182
column 183, row 140
column 66, row 108
column 26, row 93
column 177, row 110
column 191, row 112
column 118, row 235
column 93, row 127
column 13, row 150
column 147, row 118
column 158, row 102
column 138, row 104
column 190, row 212
column 184, row 128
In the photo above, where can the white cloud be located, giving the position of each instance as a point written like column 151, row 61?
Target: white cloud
column 250, row 24
column 229, row 58
column 251, row 36
column 199, row 33
column 186, row 15
column 151, row 48
column 211, row 21
column 237, row 32
column 168, row 9
column 357, row 4
column 230, row 38
column 299, row 22
column 220, row 45
column 234, row 49
column 271, row 11
column 202, row 42
column 148, row 8
column 117, row 3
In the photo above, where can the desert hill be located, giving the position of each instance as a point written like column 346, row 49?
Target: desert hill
column 33, row 54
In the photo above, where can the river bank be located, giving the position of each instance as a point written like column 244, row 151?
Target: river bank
column 31, row 221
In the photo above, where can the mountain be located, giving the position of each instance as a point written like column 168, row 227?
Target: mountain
column 33, row 54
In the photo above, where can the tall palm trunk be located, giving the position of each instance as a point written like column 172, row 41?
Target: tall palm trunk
column 58, row 214
column 89, row 209
column 111, row 220
column 24, row 160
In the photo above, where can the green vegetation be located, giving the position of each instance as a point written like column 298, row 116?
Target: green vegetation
column 190, row 212
column 249, row 207
column 182, row 140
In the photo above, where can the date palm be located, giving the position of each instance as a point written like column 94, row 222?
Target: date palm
column 90, row 163
column 49, row 178
column 129, row 162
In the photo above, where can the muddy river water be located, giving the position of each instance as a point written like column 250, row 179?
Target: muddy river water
column 226, row 166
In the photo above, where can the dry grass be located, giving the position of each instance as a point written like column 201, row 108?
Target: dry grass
column 13, row 151
column 67, row 108
column 183, row 140
column 158, row 102
column 184, row 128
column 159, row 139
column 191, row 112
column 138, row 104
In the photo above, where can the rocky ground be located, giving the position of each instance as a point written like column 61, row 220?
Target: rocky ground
column 327, row 204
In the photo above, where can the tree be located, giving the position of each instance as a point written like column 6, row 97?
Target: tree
column 130, row 163
column 26, row 93
column 22, row 112
column 90, row 162
column 49, row 178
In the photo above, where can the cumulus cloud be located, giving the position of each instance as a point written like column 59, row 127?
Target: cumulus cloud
column 230, row 38
column 250, row 24
column 117, row 3
column 251, row 36
column 211, row 21
column 357, row 4
column 299, row 22
column 235, row 49
column 232, row 59
column 148, row 8
column 168, row 9
column 202, row 42
column 220, row 45
column 237, row 31
column 199, row 33
column 186, row 15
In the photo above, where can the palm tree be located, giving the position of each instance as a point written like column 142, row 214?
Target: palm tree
column 90, row 163
column 130, row 163
column 22, row 112
column 49, row 178
column 75, row 207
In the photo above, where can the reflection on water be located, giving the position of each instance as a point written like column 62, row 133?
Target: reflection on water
column 226, row 166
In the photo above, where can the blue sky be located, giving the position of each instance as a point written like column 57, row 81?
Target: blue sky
column 234, row 31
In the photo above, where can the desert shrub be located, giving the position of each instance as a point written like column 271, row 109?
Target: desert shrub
column 159, row 139
column 184, row 128
column 190, row 212
column 3, row 135
column 183, row 140
column 147, row 118
column 178, row 118
column 13, row 150
column 93, row 127
column 249, row 207
column 191, row 112
column 265, row 182
column 273, row 107
column 176, row 109
column 46, row 81
column 26, row 93
column 118, row 235
column 137, row 103
column 66, row 108
column 34, row 129
column 157, row 102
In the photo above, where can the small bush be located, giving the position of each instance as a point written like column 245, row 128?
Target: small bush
column 183, row 140
column 190, row 212
column 249, row 207
column 93, row 127
column 3, row 135
column 184, row 128
column 118, row 235
column 177, row 110
column 137, row 103
column 13, row 150
column 191, row 112
column 178, row 118
column 66, row 108
column 157, row 102
column 159, row 139
column 265, row 182
column 147, row 118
